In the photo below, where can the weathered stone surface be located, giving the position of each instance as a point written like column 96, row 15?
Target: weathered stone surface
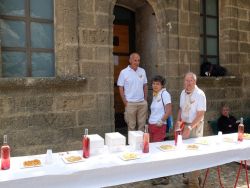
column 86, row 53
column 102, row 6
column 95, row 36
column 213, row 94
column 184, row 17
column 172, row 15
column 171, row 3
column 88, row 117
column 243, row 58
column 194, row 6
column 243, row 4
column 173, row 43
column 86, row 20
column 243, row 36
column 93, row 69
column 242, row 14
column 85, row 5
column 229, row 23
column 230, row 12
column 103, row 54
column 173, row 56
column 244, row 25
column 194, row 19
column 183, row 43
column 193, row 44
column 72, row 103
column 245, row 47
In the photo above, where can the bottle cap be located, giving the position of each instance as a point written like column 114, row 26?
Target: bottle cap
column 86, row 132
column 241, row 120
column 5, row 139
column 146, row 128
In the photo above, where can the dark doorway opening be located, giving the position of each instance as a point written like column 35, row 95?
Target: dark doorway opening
column 123, row 45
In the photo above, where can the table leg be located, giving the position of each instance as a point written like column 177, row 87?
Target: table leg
column 218, row 171
column 205, row 179
column 238, row 174
column 245, row 162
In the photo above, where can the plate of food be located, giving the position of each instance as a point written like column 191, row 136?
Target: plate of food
column 167, row 147
column 228, row 139
column 68, row 159
column 246, row 136
column 31, row 163
column 192, row 147
column 129, row 156
column 202, row 141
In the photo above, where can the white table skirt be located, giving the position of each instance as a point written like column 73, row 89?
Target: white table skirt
column 109, row 169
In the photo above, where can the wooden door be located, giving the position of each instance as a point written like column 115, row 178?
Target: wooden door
column 121, row 55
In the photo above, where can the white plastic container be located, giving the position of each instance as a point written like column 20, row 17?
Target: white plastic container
column 135, row 139
column 115, row 141
column 96, row 144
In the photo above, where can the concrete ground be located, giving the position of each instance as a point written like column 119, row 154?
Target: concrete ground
column 228, row 176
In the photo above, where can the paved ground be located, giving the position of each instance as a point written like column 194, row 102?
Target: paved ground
column 228, row 175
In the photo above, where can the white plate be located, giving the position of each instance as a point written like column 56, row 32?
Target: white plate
column 192, row 147
column 229, row 140
column 31, row 166
column 129, row 156
column 167, row 147
column 69, row 159
column 202, row 142
column 246, row 136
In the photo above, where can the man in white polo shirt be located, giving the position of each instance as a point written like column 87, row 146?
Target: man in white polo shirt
column 191, row 113
column 133, row 89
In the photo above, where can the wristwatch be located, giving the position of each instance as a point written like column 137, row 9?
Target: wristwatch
column 190, row 127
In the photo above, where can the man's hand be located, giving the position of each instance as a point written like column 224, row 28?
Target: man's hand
column 186, row 133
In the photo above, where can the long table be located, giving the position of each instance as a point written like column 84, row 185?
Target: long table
column 109, row 169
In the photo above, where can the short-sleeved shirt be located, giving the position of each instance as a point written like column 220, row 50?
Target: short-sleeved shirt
column 133, row 83
column 191, row 103
column 157, row 106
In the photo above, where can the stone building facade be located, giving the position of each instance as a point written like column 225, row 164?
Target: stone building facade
column 41, row 113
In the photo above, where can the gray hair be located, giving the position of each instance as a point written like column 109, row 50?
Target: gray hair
column 132, row 54
column 191, row 74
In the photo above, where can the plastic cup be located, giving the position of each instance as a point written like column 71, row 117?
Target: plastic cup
column 49, row 156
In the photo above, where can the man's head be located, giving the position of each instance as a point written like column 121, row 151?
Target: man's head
column 225, row 110
column 189, row 82
column 134, row 60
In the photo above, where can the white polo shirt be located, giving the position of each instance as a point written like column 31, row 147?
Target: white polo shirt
column 157, row 107
column 191, row 103
column 133, row 82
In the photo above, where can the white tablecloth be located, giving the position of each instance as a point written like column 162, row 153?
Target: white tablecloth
column 109, row 169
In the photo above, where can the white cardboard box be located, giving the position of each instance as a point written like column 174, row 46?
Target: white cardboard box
column 115, row 141
column 135, row 139
column 96, row 143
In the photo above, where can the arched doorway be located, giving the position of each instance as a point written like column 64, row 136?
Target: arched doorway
column 134, row 29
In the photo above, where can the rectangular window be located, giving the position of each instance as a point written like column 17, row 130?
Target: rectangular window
column 209, row 37
column 27, row 38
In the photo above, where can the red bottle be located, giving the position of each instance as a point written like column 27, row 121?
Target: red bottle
column 240, row 130
column 145, row 148
column 5, row 154
column 85, row 144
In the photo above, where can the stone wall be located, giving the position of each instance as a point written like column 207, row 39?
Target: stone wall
column 42, row 113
